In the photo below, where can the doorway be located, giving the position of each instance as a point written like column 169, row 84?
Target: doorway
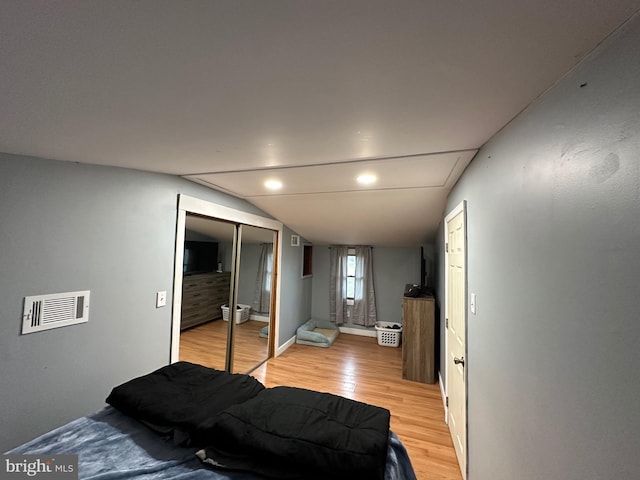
column 455, row 330
column 225, row 322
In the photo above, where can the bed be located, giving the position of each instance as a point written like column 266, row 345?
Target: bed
column 317, row 333
column 238, row 430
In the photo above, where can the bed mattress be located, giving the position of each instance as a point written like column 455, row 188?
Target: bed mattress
column 111, row 445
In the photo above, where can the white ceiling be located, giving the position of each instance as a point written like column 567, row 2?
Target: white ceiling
column 230, row 93
column 223, row 231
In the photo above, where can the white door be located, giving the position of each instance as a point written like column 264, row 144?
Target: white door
column 455, row 254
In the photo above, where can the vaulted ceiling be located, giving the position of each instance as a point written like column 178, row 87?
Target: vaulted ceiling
column 231, row 94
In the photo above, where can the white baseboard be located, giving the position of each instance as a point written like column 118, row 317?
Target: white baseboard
column 259, row 318
column 444, row 397
column 358, row 331
column 280, row 350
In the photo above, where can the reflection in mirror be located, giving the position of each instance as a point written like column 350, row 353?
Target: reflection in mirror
column 255, row 289
column 206, row 285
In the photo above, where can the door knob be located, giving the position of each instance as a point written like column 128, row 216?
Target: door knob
column 458, row 361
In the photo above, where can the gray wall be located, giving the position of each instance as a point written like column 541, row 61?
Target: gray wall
column 392, row 269
column 249, row 260
column 66, row 227
column 295, row 292
column 225, row 255
column 439, row 295
column 554, row 256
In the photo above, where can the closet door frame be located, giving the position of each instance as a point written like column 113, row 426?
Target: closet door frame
column 187, row 204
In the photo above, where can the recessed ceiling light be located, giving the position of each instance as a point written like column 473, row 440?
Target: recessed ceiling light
column 366, row 179
column 273, row 184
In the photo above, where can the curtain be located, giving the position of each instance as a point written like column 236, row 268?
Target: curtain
column 364, row 305
column 338, row 284
column 262, row 291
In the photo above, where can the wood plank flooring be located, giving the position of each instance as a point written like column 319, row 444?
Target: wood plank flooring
column 206, row 344
column 358, row 368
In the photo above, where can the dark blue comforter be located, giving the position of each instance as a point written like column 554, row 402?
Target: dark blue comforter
column 112, row 445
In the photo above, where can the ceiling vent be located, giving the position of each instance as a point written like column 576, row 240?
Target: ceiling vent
column 44, row 312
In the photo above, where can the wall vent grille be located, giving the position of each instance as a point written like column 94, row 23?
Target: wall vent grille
column 44, row 312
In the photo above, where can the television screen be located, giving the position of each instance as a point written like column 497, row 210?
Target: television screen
column 200, row 257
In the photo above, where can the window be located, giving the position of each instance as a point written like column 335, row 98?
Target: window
column 351, row 295
column 269, row 269
column 351, row 276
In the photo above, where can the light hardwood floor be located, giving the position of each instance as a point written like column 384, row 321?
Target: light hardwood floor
column 358, row 368
column 206, row 344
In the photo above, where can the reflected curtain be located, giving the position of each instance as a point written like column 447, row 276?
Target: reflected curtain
column 338, row 284
column 262, row 291
column 364, row 305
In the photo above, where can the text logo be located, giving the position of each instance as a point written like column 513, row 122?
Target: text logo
column 49, row 467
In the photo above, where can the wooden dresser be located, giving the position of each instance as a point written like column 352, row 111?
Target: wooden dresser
column 418, row 339
column 202, row 296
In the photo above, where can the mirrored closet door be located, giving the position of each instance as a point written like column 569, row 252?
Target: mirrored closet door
column 206, row 287
column 255, row 276
column 228, row 284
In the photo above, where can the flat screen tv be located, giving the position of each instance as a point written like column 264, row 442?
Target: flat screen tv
column 200, row 257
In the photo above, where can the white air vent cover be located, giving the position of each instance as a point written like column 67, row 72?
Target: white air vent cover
column 44, row 312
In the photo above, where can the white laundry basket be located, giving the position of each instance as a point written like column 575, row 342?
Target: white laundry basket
column 242, row 313
column 387, row 335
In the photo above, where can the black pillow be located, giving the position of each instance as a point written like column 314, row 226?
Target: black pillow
column 287, row 432
column 181, row 399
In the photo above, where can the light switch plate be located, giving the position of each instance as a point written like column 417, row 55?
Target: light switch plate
column 473, row 303
column 161, row 299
